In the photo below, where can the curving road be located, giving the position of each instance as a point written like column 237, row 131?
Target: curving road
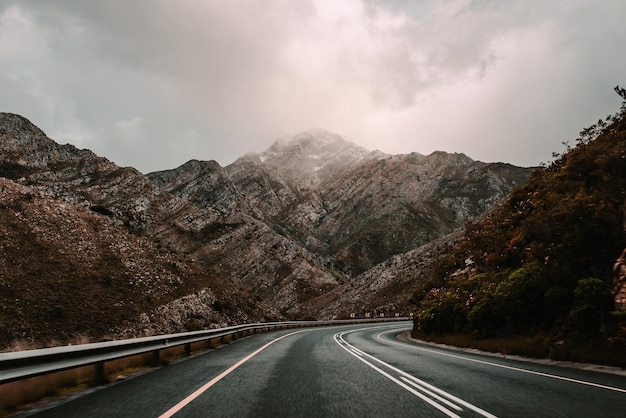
column 350, row 371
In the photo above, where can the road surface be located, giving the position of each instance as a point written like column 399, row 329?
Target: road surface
column 350, row 371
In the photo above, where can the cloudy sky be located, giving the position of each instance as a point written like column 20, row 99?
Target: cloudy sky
column 154, row 83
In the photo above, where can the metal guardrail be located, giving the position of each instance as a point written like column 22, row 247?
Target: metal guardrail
column 30, row 363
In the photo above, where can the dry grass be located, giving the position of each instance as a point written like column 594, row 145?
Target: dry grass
column 596, row 351
column 31, row 392
column 536, row 346
column 589, row 350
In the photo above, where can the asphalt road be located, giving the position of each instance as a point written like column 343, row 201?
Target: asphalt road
column 350, row 371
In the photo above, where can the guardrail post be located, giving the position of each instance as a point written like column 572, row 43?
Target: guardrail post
column 98, row 373
column 155, row 357
column 188, row 349
column 213, row 342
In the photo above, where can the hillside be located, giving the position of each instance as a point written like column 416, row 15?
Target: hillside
column 68, row 272
column 541, row 265
column 92, row 250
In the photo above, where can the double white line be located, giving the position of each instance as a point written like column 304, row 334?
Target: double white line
column 439, row 399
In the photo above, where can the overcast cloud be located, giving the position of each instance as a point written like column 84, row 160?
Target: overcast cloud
column 154, row 83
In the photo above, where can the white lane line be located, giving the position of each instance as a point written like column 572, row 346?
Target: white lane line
column 433, row 388
column 401, row 384
column 431, row 394
column 344, row 344
column 450, row 396
column 173, row 410
column 517, row 369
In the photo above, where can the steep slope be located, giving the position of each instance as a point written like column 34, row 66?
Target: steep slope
column 79, row 182
column 238, row 244
column 66, row 271
column 542, row 263
column 200, row 181
column 390, row 206
column 208, row 221
column 385, row 289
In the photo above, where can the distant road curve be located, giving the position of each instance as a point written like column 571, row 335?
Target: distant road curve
column 350, row 371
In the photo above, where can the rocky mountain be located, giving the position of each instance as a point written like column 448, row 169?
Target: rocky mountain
column 311, row 158
column 305, row 229
column 344, row 209
column 353, row 207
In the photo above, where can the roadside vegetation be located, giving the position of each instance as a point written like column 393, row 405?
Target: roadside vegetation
column 535, row 277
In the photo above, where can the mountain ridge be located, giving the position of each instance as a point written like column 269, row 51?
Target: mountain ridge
column 353, row 197
column 272, row 240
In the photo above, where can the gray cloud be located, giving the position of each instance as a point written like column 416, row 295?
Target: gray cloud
column 153, row 83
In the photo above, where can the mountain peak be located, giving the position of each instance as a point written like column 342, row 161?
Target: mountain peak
column 311, row 156
column 18, row 132
column 24, row 145
column 311, row 140
column 12, row 121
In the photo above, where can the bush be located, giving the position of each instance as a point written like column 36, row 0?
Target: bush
column 591, row 299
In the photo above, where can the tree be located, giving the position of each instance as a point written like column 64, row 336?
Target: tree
column 590, row 304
